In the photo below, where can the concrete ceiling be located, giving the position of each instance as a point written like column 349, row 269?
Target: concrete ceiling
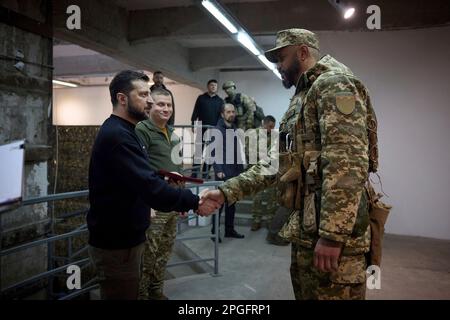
column 179, row 38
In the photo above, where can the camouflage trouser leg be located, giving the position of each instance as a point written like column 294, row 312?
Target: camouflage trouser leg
column 348, row 283
column 259, row 209
column 158, row 248
column 272, row 202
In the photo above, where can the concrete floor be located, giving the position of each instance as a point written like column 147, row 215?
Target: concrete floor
column 250, row 268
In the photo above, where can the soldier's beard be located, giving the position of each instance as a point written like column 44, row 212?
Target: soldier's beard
column 290, row 75
column 135, row 113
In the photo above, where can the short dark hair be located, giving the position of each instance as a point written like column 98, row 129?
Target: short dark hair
column 269, row 118
column 158, row 72
column 160, row 92
column 122, row 83
column 211, row 81
column 222, row 108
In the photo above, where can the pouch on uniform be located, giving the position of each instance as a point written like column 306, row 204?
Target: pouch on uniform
column 309, row 214
column 378, row 214
column 291, row 229
column 286, row 191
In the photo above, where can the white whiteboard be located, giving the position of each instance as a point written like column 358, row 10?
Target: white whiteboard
column 11, row 172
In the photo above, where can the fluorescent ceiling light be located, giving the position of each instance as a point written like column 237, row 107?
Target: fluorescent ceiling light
column 349, row 13
column 247, row 42
column 215, row 9
column 219, row 16
column 63, row 83
column 266, row 62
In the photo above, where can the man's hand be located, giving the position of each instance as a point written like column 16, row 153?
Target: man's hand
column 207, row 207
column 207, row 204
column 212, row 195
column 221, row 175
column 326, row 255
column 176, row 183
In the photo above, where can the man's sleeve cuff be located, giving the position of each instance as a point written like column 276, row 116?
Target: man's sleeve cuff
column 230, row 198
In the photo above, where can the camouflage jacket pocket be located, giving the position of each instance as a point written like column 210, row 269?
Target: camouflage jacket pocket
column 291, row 229
column 309, row 221
column 362, row 217
column 351, row 269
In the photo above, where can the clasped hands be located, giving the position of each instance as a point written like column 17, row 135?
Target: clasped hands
column 210, row 201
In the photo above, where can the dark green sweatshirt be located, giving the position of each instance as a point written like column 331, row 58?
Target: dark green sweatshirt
column 159, row 149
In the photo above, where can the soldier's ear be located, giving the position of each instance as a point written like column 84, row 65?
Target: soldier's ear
column 301, row 52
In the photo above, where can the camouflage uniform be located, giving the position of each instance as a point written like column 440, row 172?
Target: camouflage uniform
column 158, row 248
column 269, row 196
column 162, row 231
column 328, row 118
column 245, row 108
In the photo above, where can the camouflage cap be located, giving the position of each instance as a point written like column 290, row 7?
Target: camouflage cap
column 228, row 84
column 291, row 37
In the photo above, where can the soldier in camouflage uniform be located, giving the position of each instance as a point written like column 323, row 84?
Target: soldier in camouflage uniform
column 245, row 106
column 269, row 196
column 260, row 210
column 159, row 140
column 324, row 165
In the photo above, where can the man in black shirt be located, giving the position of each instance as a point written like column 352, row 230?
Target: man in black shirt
column 208, row 106
column 207, row 109
column 123, row 188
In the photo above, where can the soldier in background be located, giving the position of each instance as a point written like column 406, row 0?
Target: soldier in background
column 265, row 203
column 325, row 159
column 258, row 117
column 245, row 106
column 269, row 195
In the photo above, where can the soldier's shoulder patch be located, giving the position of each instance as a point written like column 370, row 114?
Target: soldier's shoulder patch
column 345, row 102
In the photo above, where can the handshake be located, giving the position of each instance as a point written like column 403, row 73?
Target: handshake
column 210, row 201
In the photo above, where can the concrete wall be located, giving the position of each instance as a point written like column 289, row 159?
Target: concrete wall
column 25, row 101
column 407, row 74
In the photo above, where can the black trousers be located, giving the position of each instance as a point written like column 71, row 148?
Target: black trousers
column 205, row 168
column 229, row 218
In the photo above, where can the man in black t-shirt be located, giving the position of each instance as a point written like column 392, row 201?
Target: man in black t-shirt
column 207, row 109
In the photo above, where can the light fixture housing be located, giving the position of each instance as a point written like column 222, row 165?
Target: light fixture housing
column 237, row 32
column 217, row 13
column 349, row 12
column 247, row 42
column 343, row 8
column 64, row 83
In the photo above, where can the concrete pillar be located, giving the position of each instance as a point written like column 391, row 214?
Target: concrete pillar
column 25, row 113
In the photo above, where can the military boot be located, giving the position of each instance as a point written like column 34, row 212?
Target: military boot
column 155, row 291
column 157, row 296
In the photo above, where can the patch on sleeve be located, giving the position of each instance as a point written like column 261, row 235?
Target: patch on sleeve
column 345, row 103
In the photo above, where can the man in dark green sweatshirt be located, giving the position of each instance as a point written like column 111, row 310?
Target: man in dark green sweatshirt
column 159, row 140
